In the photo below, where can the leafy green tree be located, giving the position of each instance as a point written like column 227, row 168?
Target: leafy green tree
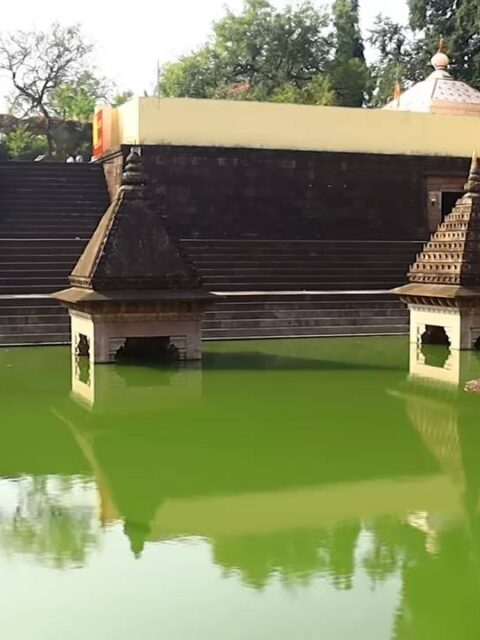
column 458, row 23
column 121, row 98
column 76, row 100
column 394, row 45
column 259, row 54
column 405, row 52
column 22, row 143
column 349, row 69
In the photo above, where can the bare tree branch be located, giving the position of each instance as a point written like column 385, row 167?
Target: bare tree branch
column 38, row 62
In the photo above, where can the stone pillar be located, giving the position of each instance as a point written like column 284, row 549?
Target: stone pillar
column 456, row 326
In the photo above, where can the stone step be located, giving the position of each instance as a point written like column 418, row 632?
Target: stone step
column 35, row 288
column 247, row 246
column 331, row 261
column 282, row 286
column 72, row 206
column 48, row 218
column 262, row 253
column 34, row 339
column 47, row 237
column 319, row 270
column 304, row 282
column 31, row 273
column 48, row 231
column 32, row 329
column 300, row 321
column 291, row 306
column 303, row 314
column 34, row 314
column 64, row 262
column 285, row 332
column 32, row 244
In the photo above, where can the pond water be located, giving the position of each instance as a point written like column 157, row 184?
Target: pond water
column 284, row 490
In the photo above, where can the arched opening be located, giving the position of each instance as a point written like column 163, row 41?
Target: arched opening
column 435, row 346
column 83, row 345
column 435, row 335
column 151, row 349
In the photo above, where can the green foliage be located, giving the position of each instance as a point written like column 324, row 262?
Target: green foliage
column 318, row 91
column 76, row 100
column 121, row 98
column 21, row 143
column 259, row 54
column 396, row 60
column 405, row 53
column 349, row 70
column 38, row 63
column 197, row 75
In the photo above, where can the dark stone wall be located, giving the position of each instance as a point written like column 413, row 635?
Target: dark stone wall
column 219, row 192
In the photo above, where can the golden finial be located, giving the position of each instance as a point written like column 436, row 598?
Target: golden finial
column 440, row 60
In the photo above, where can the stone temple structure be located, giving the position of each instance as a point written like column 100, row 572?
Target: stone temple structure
column 132, row 293
column 443, row 294
column 440, row 93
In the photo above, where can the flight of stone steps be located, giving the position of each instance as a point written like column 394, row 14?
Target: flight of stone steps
column 271, row 288
column 275, row 288
column 48, row 212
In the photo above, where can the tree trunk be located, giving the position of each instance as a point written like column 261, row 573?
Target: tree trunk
column 48, row 132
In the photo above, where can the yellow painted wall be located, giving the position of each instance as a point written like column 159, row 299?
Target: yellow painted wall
column 183, row 121
column 128, row 123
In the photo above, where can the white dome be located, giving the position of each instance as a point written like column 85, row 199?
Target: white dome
column 439, row 93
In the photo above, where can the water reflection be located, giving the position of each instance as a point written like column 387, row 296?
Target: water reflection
column 290, row 474
column 436, row 363
column 96, row 384
column 49, row 518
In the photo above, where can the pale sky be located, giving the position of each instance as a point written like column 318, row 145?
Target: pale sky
column 130, row 42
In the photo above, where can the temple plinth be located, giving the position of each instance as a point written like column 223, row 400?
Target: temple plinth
column 132, row 292
column 443, row 294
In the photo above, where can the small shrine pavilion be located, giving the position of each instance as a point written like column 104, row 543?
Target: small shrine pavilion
column 132, row 293
column 443, row 294
column 439, row 93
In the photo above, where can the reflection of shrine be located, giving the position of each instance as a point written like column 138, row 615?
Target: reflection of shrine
column 441, row 587
column 437, row 363
column 95, row 386
column 382, row 486
column 234, row 478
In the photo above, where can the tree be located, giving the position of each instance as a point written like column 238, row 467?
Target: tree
column 395, row 47
column 121, row 98
column 37, row 63
column 458, row 23
column 76, row 99
column 349, row 69
column 259, row 54
column 21, row 141
column 405, row 52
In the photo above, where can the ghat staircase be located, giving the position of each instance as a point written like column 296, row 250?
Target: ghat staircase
column 269, row 288
column 48, row 212
column 275, row 288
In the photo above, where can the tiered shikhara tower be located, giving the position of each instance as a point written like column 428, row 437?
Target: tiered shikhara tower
column 444, row 283
column 132, row 290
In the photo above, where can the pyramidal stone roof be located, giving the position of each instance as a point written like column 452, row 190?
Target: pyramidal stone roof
column 440, row 93
column 449, row 265
column 130, row 250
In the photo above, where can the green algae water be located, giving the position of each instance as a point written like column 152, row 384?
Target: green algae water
column 283, row 490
